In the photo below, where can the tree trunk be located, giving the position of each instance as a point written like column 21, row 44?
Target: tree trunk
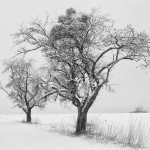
column 82, row 113
column 81, row 121
column 28, row 116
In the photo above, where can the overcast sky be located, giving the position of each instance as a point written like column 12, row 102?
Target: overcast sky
column 131, row 84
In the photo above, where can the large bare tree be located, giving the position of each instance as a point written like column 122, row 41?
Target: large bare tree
column 23, row 85
column 82, row 49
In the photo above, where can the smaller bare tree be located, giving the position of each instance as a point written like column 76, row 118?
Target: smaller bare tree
column 24, row 84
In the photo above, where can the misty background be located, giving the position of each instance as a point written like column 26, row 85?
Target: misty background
column 130, row 82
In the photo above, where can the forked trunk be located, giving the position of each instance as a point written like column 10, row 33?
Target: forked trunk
column 82, row 112
column 81, row 121
column 28, row 116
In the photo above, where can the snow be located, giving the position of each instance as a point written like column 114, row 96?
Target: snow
column 21, row 136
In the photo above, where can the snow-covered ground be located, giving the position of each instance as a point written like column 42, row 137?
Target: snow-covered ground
column 20, row 136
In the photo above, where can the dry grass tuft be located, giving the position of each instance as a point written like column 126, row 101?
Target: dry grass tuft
column 135, row 135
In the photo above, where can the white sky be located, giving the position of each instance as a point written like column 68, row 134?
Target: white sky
column 133, row 84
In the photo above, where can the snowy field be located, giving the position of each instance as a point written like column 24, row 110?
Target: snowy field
column 105, row 132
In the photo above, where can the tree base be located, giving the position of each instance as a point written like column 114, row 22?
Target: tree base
column 81, row 123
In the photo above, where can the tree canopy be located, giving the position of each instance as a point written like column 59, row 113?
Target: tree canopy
column 81, row 50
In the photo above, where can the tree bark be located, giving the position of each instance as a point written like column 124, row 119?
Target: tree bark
column 28, row 116
column 82, row 112
column 81, row 121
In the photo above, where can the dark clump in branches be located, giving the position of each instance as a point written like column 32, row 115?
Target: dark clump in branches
column 81, row 50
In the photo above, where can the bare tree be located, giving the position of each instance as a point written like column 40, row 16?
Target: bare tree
column 82, row 49
column 139, row 109
column 24, row 84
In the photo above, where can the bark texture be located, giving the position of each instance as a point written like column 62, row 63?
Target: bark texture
column 81, row 121
column 28, row 116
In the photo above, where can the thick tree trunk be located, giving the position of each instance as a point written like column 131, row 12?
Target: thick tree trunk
column 82, row 112
column 28, row 116
column 81, row 121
